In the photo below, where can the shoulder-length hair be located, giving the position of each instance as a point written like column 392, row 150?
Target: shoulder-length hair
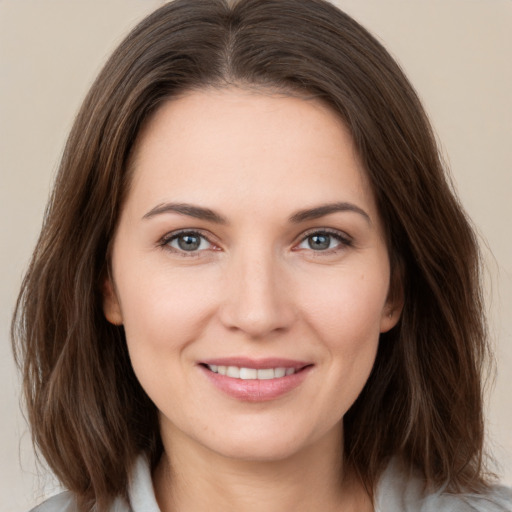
column 90, row 417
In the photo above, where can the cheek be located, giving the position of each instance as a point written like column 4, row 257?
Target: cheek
column 163, row 312
column 162, row 319
column 347, row 307
column 346, row 317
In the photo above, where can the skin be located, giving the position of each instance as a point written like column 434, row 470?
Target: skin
column 254, row 287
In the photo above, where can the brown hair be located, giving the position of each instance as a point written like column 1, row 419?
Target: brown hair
column 90, row 418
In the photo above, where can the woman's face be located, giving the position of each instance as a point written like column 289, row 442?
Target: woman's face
column 249, row 244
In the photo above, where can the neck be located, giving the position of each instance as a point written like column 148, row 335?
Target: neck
column 191, row 477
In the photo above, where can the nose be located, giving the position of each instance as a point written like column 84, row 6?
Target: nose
column 257, row 300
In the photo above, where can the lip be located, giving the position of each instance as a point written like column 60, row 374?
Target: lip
column 254, row 390
column 268, row 362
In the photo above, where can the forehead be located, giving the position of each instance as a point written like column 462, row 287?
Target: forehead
column 247, row 145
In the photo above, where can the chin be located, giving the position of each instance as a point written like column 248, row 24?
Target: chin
column 268, row 443
column 259, row 452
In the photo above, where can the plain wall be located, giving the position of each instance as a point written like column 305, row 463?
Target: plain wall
column 457, row 53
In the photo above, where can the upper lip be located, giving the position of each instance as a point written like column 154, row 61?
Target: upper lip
column 267, row 362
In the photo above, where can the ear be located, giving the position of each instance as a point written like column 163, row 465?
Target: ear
column 111, row 306
column 394, row 302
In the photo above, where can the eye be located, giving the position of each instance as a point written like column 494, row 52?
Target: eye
column 186, row 241
column 324, row 241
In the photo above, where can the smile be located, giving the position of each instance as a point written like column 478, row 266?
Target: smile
column 244, row 373
column 251, row 380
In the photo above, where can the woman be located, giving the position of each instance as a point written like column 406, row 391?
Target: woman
column 254, row 288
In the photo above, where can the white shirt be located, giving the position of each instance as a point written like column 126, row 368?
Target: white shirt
column 395, row 492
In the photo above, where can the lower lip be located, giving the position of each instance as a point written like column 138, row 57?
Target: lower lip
column 253, row 390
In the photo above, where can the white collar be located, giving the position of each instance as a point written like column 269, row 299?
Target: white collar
column 141, row 492
column 397, row 491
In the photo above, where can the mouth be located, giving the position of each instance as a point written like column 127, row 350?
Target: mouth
column 255, row 380
column 245, row 373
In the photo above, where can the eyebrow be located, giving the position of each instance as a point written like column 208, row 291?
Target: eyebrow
column 186, row 209
column 327, row 209
column 199, row 212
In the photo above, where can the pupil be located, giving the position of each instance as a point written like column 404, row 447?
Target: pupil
column 319, row 242
column 189, row 242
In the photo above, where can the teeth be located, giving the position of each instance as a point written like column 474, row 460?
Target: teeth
column 233, row 371
column 266, row 374
column 248, row 373
column 280, row 372
column 251, row 373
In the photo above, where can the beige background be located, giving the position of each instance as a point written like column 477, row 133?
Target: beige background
column 458, row 54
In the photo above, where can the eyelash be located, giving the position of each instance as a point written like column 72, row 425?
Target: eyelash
column 343, row 239
column 165, row 241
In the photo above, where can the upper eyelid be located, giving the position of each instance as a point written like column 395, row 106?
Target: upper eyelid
column 174, row 234
column 328, row 231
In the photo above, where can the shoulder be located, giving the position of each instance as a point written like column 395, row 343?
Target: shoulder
column 399, row 491
column 66, row 502
column 142, row 497
column 63, row 502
